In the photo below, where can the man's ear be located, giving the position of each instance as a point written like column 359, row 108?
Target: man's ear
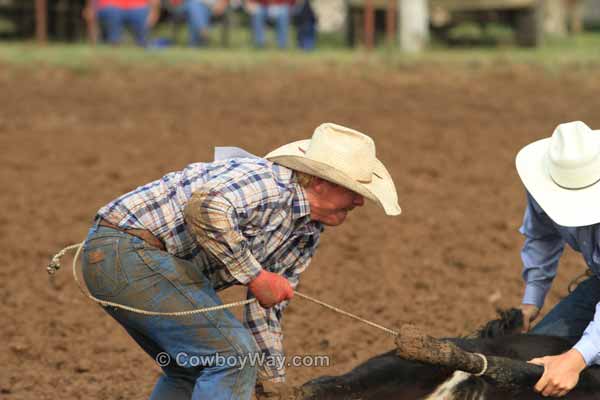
column 318, row 184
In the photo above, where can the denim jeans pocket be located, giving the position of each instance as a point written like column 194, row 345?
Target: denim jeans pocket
column 102, row 268
column 180, row 272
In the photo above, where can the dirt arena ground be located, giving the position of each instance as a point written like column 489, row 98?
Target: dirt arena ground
column 72, row 140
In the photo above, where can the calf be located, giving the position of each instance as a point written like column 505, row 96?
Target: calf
column 389, row 376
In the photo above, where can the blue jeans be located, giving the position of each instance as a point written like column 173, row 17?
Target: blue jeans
column 306, row 25
column 113, row 19
column 198, row 16
column 307, row 36
column 280, row 14
column 122, row 268
column 571, row 315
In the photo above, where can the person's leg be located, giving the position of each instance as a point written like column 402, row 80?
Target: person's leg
column 259, row 17
column 571, row 315
column 281, row 15
column 111, row 24
column 124, row 269
column 198, row 16
column 306, row 27
column 174, row 384
column 306, row 35
column 136, row 19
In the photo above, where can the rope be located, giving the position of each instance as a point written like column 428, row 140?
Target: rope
column 55, row 265
column 485, row 364
column 347, row 314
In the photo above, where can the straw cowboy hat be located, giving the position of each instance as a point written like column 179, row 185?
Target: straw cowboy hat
column 343, row 156
column 562, row 173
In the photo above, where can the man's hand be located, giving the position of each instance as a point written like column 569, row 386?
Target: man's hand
column 561, row 373
column 270, row 289
column 530, row 313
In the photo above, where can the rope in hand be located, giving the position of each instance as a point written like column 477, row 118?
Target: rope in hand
column 55, row 265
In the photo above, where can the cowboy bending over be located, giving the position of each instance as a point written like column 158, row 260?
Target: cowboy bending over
column 562, row 178
column 170, row 245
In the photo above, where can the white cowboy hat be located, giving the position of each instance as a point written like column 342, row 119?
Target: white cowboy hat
column 343, row 156
column 562, row 173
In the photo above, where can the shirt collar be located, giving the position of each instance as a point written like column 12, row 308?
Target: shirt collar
column 224, row 153
column 300, row 205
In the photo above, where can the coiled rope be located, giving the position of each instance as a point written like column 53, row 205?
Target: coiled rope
column 55, row 265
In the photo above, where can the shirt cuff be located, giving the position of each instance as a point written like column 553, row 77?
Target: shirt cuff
column 588, row 350
column 535, row 293
column 276, row 379
column 271, row 375
column 244, row 268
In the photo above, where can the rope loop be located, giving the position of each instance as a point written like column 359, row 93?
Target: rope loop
column 485, row 364
column 55, row 265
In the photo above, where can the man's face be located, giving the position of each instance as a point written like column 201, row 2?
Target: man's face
column 333, row 202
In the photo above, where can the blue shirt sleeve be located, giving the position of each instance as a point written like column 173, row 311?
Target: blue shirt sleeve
column 589, row 344
column 540, row 253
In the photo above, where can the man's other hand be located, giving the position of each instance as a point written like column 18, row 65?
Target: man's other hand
column 530, row 313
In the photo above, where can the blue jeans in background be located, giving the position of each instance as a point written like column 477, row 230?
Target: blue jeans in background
column 571, row 315
column 307, row 36
column 197, row 15
column 280, row 15
column 122, row 268
column 305, row 19
column 112, row 20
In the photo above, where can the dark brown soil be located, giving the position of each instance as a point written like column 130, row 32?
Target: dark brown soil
column 73, row 140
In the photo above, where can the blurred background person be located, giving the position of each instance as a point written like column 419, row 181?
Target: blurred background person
column 111, row 16
column 198, row 14
column 305, row 21
column 89, row 15
column 274, row 11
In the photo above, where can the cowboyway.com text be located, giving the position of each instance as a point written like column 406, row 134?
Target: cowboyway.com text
column 183, row 359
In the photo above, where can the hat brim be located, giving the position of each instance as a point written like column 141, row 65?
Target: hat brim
column 381, row 189
column 566, row 207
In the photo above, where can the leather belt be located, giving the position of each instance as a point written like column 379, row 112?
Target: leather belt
column 143, row 234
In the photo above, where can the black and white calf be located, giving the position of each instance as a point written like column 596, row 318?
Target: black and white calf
column 389, row 376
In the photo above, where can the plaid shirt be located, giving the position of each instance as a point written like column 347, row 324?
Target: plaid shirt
column 233, row 217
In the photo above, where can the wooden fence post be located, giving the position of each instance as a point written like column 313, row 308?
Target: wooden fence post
column 369, row 24
column 413, row 26
column 41, row 23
